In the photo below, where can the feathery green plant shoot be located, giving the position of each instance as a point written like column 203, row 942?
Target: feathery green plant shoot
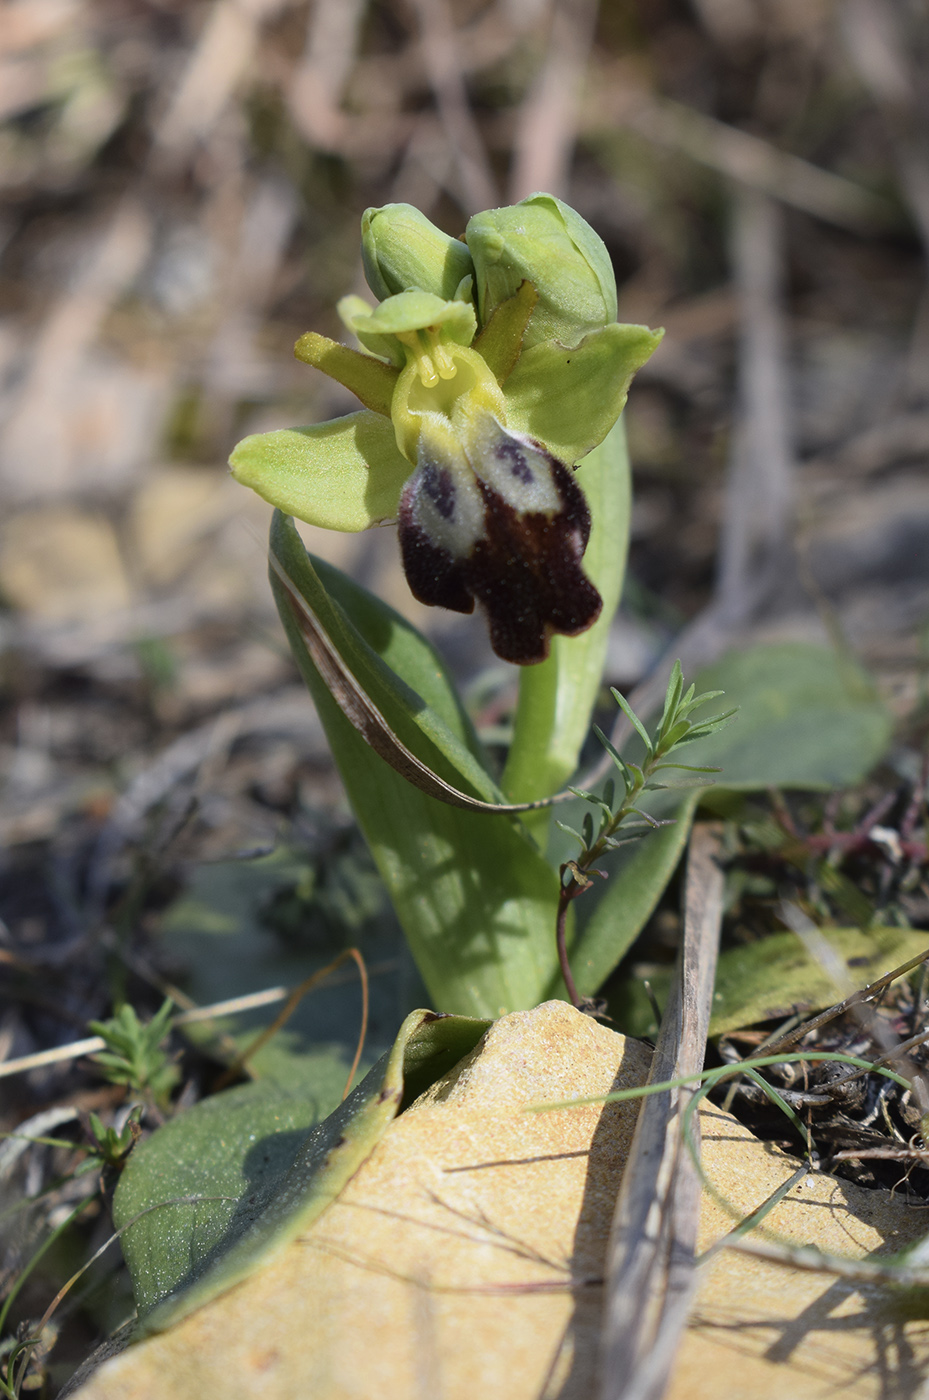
column 675, row 728
column 134, row 1056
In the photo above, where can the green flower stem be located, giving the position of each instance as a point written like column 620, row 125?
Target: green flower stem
column 556, row 698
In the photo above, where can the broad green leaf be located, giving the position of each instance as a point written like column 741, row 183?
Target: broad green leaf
column 638, row 874
column 343, row 475
column 243, row 925
column 474, row 896
column 776, row 977
column 556, row 698
column 571, row 398
column 807, row 718
column 256, row 1150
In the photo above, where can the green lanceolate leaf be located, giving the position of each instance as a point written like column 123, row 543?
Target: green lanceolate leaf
column 343, row 475
column 556, row 698
column 252, row 1147
column 363, row 714
column 570, row 399
column 476, row 899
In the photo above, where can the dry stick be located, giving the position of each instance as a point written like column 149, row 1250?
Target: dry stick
column 650, row 1265
column 740, row 156
column 288, row 1009
column 77, row 1048
column 548, row 117
column 478, row 189
column 757, row 518
column 319, row 80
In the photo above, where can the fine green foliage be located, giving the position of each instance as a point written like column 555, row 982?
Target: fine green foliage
column 226, row 1186
column 615, row 824
column 675, row 728
column 134, row 1056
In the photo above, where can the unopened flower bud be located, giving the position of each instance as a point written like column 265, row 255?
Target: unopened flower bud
column 543, row 241
column 401, row 249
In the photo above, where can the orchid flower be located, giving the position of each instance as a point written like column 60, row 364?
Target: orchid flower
column 489, row 369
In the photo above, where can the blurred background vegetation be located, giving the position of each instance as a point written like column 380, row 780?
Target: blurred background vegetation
column 182, row 182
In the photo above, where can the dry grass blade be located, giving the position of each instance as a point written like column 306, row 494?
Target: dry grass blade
column 755, row 162
column 477, row 185
column 547, row 127
column 650, row 1270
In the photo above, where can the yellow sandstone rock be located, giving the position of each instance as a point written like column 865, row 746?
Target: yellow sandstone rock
column 463, row 1260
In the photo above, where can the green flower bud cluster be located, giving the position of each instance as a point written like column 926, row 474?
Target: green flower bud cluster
column 493, row 365
column 540, row 240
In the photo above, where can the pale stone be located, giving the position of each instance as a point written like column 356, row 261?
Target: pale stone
column 61, row 564
column 464, row 1258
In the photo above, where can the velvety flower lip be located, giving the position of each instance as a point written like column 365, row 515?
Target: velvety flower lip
column 488, row 369
column 508, row 529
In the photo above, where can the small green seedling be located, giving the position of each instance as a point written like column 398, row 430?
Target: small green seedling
column 134, row 1056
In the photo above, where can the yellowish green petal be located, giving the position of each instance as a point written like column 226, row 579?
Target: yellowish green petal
column 417, row 311
column 342, row 475
column 370, row 380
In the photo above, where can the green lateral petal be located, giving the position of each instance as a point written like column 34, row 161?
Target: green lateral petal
column 570, row 399
column 343, row 475
column 370, row 380
column 183, row 1255
column 556, row 698
column 501, row 340
column 476, row 899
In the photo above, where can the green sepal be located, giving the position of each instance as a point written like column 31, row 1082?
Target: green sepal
column 177, row 1265
column 401, row 248
column 548, row 242
column 501, row 340
column 570, row 399
column 346, row 474
column 473, row 894
column 370, row 380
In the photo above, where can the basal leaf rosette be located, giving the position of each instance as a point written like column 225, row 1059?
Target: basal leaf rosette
column 490, row 368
